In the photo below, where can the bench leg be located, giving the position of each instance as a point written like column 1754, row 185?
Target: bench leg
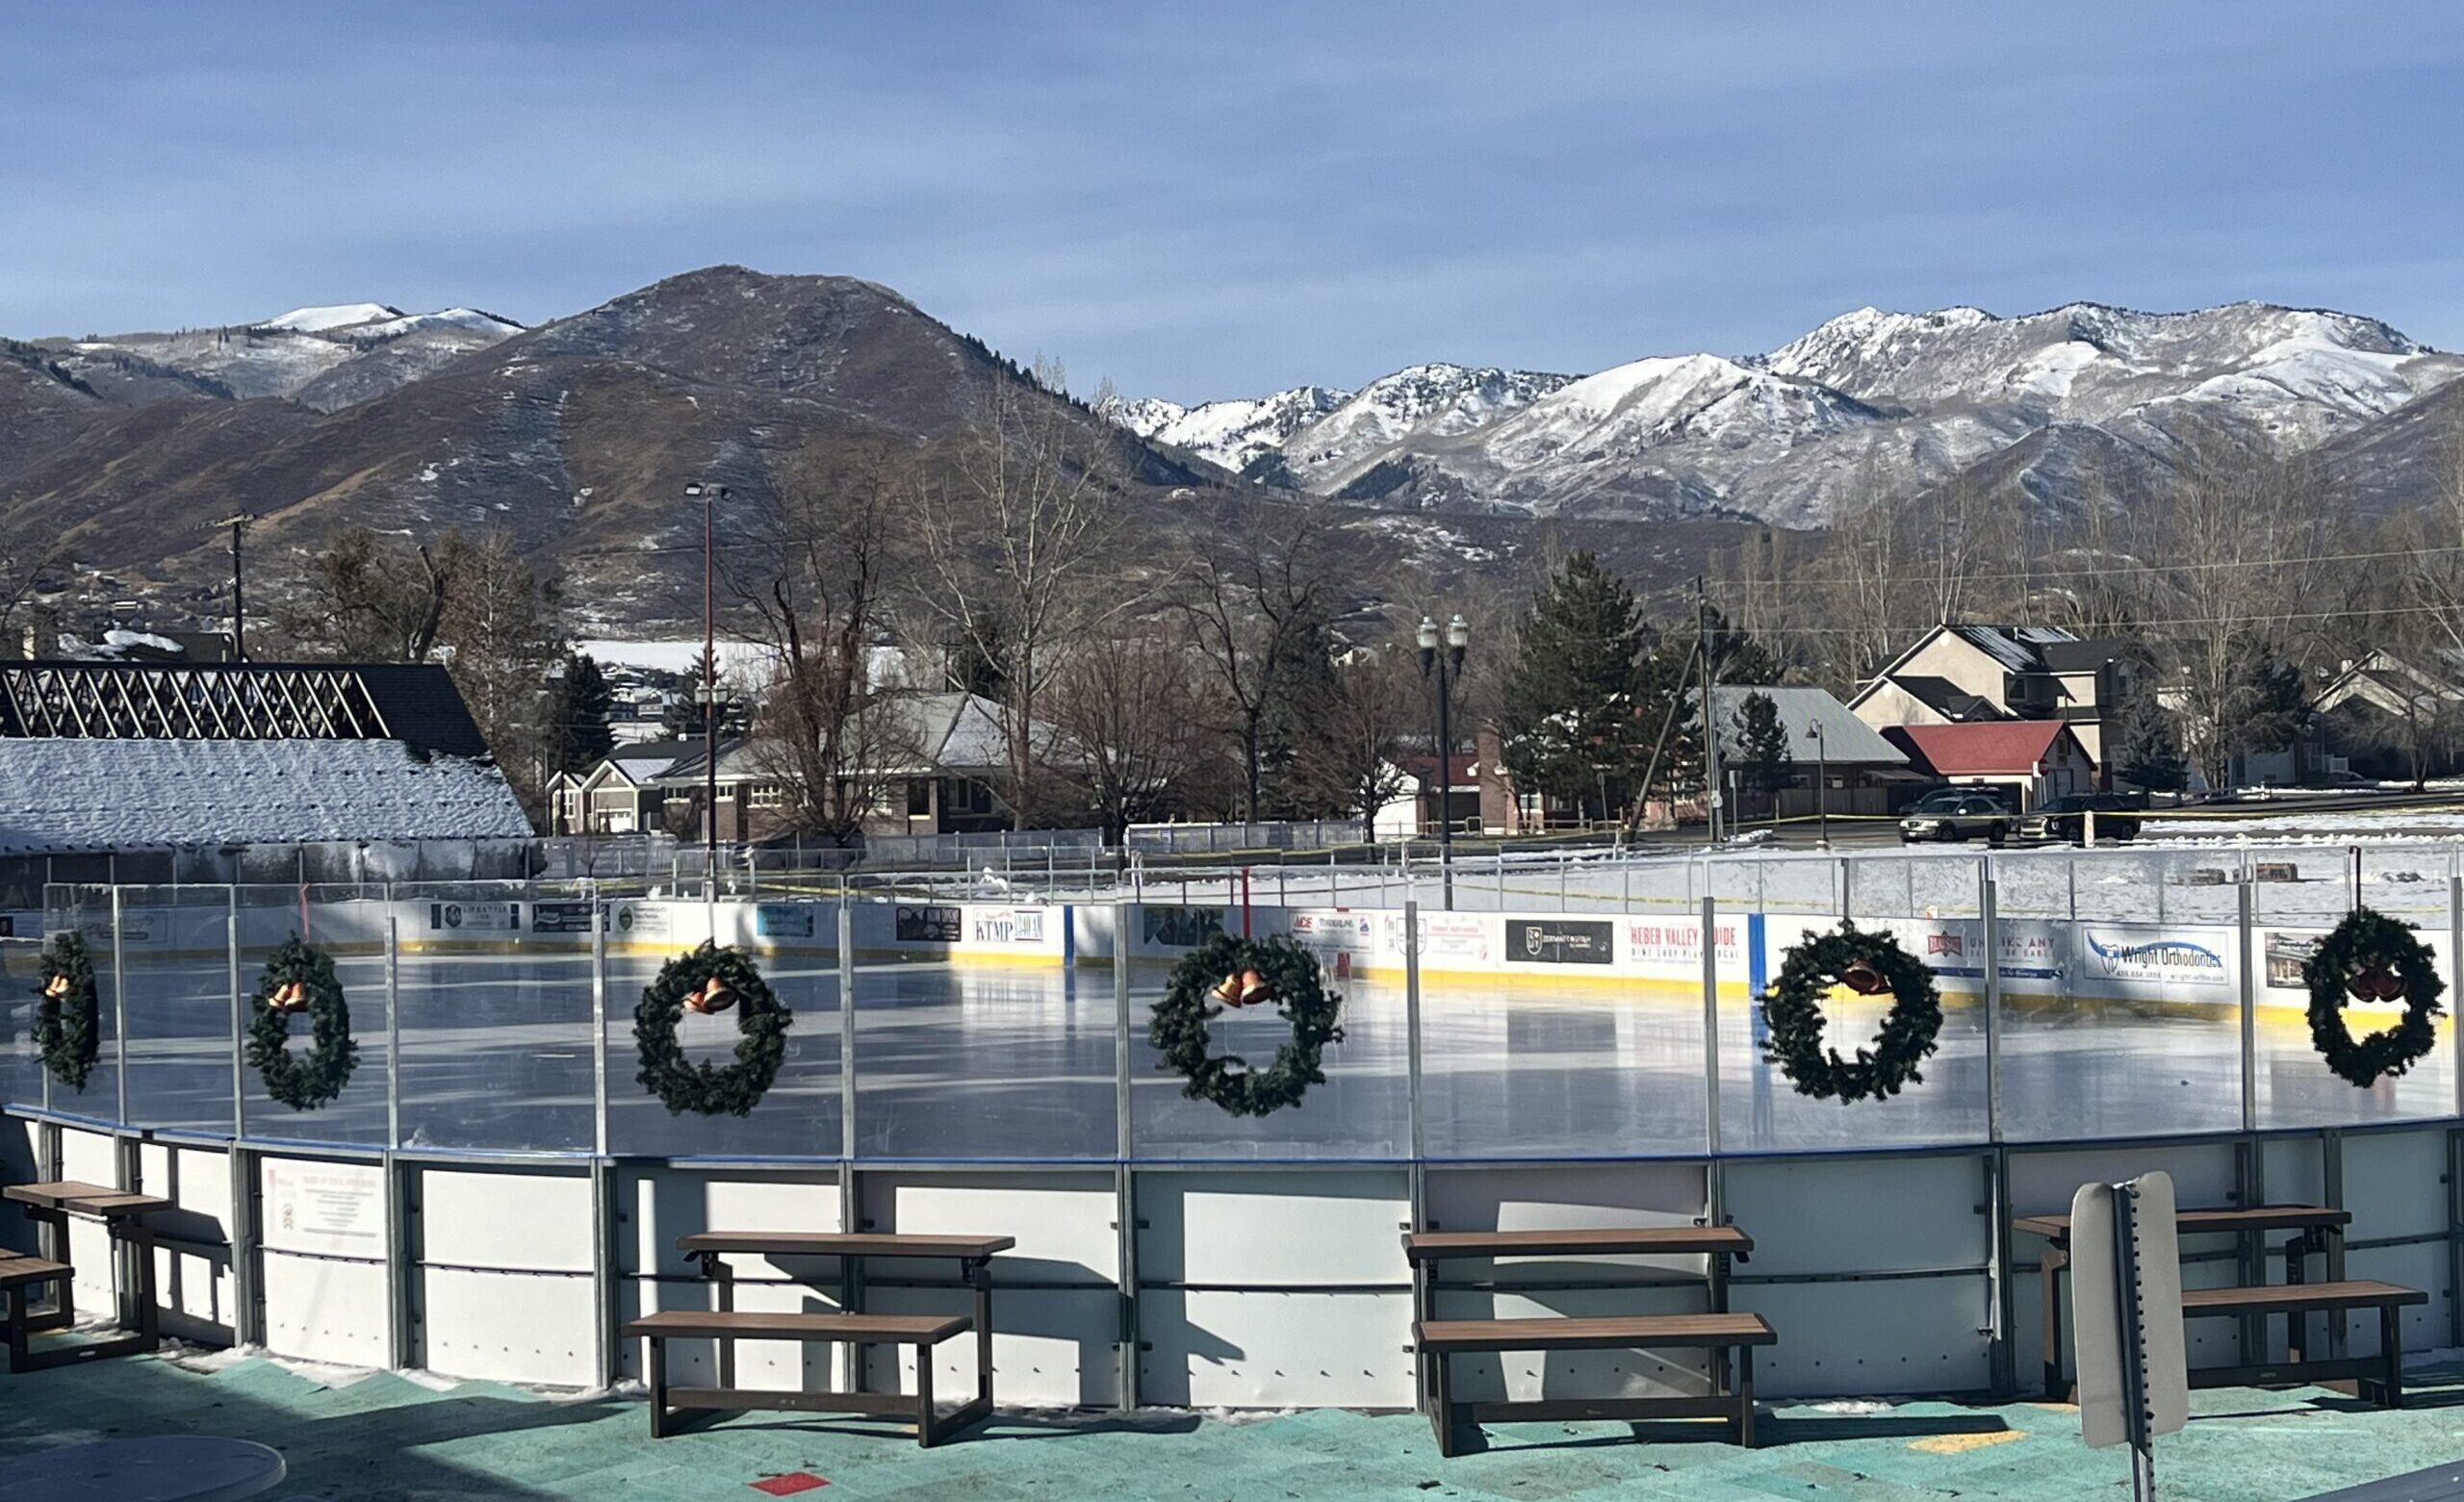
column 2049, row 1295
column 982, row 1277
column 658, row 1387
column 924, row 1435
column 1745, row 1396
column 2391, row 1350
column 19, row 1299
column 1441, row 1402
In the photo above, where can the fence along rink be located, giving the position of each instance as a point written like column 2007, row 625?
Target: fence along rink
column 497, row 1017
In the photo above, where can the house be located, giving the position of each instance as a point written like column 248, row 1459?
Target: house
column 164, row 754
column 1419, row 806
column 2390, row 717
column 1964, row 675
column 1865, row 770
column 938, row 760
column 2029, row 761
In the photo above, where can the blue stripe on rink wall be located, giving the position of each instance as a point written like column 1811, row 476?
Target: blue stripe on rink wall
column 1757, row 970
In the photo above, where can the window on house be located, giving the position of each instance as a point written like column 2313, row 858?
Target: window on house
column 768, row 795
column 919, row 797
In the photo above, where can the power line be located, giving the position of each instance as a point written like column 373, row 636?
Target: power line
column 1794, row 581
column 2255, row 617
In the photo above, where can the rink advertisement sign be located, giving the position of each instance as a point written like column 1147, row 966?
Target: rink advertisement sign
column 1559, row 941
column 1180, row 927
column 1331, row 931
column 1442, row 936
column 1007, row 925
column 1661, row 944
column 475, row 917
column 561, row 917
column 2030, row 949
column 783, row 921
column 641, row 918
column 925, row 923
column 2162, row 960
column 2287, row 955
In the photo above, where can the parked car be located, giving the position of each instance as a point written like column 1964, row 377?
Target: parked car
column 1950, row 815
column 2066, row 819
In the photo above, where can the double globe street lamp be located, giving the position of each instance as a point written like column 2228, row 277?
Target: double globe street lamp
column 1447, row 665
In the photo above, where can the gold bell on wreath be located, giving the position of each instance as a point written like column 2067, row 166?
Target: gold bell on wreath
column 288, row 997
column 1228, row 990
column 59, row 986
column 2375, row 983
column 1861, row 978
column 1254, row 989
column 713, row 997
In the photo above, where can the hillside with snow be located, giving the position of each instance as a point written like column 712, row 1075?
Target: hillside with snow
column 326, row 358
column 1869, row 402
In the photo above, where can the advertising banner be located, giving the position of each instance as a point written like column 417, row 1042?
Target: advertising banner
column 2135, row 961
column 475, row 917
column 1007, row 925
column 783, row 921
column 927, row 924
column 1559, row 941
column 560, row 917
column 1180, row 927
column 640, row 917
column 1444, row 936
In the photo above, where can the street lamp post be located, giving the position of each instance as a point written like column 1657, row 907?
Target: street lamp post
column 709, row 495
column 1449, row 667
column 1821, row 786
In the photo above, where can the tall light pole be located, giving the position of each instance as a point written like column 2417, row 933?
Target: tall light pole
column 1448, row 666
column 237, row 521
column 1821, row 785
column 709, row 495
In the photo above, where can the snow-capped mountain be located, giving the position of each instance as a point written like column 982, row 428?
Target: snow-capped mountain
column 323, row 357
column 1870, row 401
column 1233, row 434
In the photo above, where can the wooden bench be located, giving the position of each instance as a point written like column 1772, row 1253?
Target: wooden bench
column 19, row 1276
column 2380, row 1377
column 2314, row 1226
column 1722, row 1334
column 850, row 1327
column 921, row 1331
column 122, row 1213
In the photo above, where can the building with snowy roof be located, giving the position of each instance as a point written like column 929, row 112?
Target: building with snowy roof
column 1966, row 673
column 134, row 759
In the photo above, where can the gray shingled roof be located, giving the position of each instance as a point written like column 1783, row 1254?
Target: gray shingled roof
column 1847, row 739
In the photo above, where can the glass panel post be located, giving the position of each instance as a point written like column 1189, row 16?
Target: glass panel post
column 2249, row 1001
column 1711, row 1023
column 238, row 1021
column 119, row 1013
column 598, row 1023
column 393, row 1022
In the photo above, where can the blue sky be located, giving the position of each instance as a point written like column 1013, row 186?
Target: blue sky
column 1201, row 200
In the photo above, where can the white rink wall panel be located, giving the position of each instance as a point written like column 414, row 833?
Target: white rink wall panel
column 1866, row 1339
column 324, row 1309
column 1462, row 1197
column 1238, row 1228
column 1862, row 1216
column 1054, row 1348
column 507, row 1327
column 1303, row 1349
column 1522, row 1376
column 1063, row 1223
column 776, row 1364
column 2391, row 1185
column 2423, row 1266
column 192, row 1272
column 516, row 1222
column 89, row 1158
column 657, row 1205
column 2044, row 1183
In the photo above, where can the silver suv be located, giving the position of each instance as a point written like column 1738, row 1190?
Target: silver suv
column 1949, row 815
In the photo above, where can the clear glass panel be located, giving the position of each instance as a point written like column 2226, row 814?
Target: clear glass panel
column 795, row 941
column 2308, row 891
column 175, row 987
column 1543, row 1058
column 1930, row 902
column 1362, row 1110
column 87, row 909
column 493, row 985
column 21, row 1066
column 2137, row 1030
column 349, row 924
column 981, row 1057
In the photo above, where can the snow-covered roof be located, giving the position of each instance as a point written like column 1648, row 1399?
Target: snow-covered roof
column 1846, row 740
column 64, row 794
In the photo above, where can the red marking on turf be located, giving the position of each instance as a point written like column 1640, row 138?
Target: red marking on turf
column 789, row 1483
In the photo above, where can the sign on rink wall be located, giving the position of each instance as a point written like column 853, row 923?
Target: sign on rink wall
column 2148, row 963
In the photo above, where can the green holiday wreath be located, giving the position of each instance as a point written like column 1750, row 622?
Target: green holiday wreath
column 711, row 979
column 2370, row 956
column 1239, row 972
column 300, row 976
column 1869, row 963
column 68, row 1028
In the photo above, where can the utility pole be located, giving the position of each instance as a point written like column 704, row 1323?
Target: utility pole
column 237, row 521
column 709, row 495
column 1710, row 719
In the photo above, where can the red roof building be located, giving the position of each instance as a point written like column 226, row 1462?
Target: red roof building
column 2041, row 759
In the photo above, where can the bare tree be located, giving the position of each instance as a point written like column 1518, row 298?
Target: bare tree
column 1365, row 718
column 1253, row 615
column 1016, row 535
column 1127, row 727
column 363, row 600
column 815, row 584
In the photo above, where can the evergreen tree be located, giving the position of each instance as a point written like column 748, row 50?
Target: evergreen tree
column 583, row 706
column 1735, row 656
column 1572, row 717
column 2146, row 747
column 1765, row 760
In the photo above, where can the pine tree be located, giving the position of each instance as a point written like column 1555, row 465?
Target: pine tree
column 2146, row 747
column 1763, row 758
column 1735, row 656
column 584, row 704
column 1572, row 717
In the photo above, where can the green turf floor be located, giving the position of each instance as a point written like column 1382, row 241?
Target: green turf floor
column 383, row 1437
